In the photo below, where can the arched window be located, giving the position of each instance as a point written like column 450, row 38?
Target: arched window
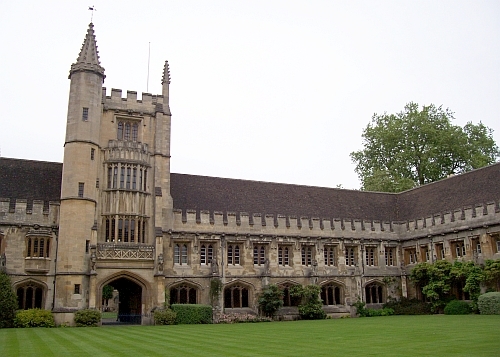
column 350, row 256
column 374, row 294
column 30, row 296
column 283, row 256
column 307, row 255
column 329, row 255
column 259, row 254
column 235, row 296
column 233, row 254
column 134, row 132
column 119, row 135
column 126, row 136
column 180, row 254
column 206, row 254
column 371, row 256
column 183, row 294
column 332, row 294
column 289, row 300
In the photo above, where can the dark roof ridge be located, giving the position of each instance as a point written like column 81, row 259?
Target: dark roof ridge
column 451, row 177
column 30, row 160
column 289, row 184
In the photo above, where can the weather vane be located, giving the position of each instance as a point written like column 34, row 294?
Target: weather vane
column 92, row 8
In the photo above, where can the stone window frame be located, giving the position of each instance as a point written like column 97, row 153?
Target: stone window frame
column 351, row 255
column 288, row 300
column 207, row 252
column 371, row 256
column 33, row 291
column 239, row 296
column 410, row 255
column 183, row 293
column 307, row 254
column 81, row 189
column 440, row 251
column 127, row 129
column 181, row 253
column 458, row 248
column 475, row 242
column 330, row 254
column 285, row 255
column 37, row 246
column 375, row 293
column 390, row 256
column 116, row 230
column 260, row 253
column 127, row 176
column 234, row 254
column 331, row 292
column 85, row 114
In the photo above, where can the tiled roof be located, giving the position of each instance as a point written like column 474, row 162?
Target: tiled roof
column 230, row 195
column 38, row 180
column 473, row 187
column 30, row 180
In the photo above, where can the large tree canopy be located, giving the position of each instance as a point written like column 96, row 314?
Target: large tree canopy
column 415, row 147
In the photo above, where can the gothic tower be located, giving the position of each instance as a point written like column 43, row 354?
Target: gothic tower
column 79, row 193
column 116, row 205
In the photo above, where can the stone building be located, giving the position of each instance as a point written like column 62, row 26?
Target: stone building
column 113, row 213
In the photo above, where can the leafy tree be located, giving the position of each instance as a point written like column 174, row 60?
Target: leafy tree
column 435, row 281
column 107, row 293
column 310, row 307
column 418, row 146
column 492, row 274
column 8, row 302
column 271, row 300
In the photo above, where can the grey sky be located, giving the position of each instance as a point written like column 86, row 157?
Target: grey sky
column 262, row 90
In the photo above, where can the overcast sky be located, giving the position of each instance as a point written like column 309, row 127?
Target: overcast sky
column 262, row 90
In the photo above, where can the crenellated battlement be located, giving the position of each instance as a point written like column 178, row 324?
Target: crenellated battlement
column 466, row 218
column 148, row 104
column 270, row 224
column 23, row 212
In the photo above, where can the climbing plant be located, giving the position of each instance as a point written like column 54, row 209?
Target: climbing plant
column 215, row 290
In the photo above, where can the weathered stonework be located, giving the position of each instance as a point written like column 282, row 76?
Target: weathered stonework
column 113, row 213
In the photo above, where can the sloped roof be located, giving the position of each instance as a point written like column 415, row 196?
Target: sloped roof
column 30, row 180
column 231, row 195
column 39, row 180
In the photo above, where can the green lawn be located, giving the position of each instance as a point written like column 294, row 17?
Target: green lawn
column 437, row 335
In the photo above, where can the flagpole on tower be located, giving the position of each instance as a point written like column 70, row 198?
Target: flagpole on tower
column 92, row 8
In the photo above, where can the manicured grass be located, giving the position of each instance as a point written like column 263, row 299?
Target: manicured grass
column 437, row 335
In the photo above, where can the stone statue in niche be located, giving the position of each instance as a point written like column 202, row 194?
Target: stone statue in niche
column 93, row 259
column 214, row 267
column 160, row 263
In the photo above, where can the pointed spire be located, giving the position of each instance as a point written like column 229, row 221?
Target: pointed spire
column 88, row 59
column 166, row 74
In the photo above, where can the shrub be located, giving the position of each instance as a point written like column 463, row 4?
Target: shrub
column 192, row 313
column 34, row 318
column 87, row 317
column 362, row 311
column 164, row 317
column 271, row 300
column 489, row 303
column 406, row 306
column 457, row 307
column 8, row 302
column 310, row 307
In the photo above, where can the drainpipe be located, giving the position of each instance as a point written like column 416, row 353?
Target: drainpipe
column 55, row 229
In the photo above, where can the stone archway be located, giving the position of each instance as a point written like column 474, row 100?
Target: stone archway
column 130, row 296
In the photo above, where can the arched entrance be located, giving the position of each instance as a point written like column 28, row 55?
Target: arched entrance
column 129, row 301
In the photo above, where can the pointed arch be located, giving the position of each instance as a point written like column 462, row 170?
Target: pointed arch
column 184, row 291
column 31, row 294
column 237, row 294
column 375, row 292
column 332, row 292
column 288, row 300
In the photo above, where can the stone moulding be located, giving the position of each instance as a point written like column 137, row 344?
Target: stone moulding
column 125, row 251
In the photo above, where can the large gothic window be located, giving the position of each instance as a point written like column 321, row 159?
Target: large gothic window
column 332, row 294
column 30, row 296
column 127, row 131
column 374, row 293
column 235, row 296
column 183, row 294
